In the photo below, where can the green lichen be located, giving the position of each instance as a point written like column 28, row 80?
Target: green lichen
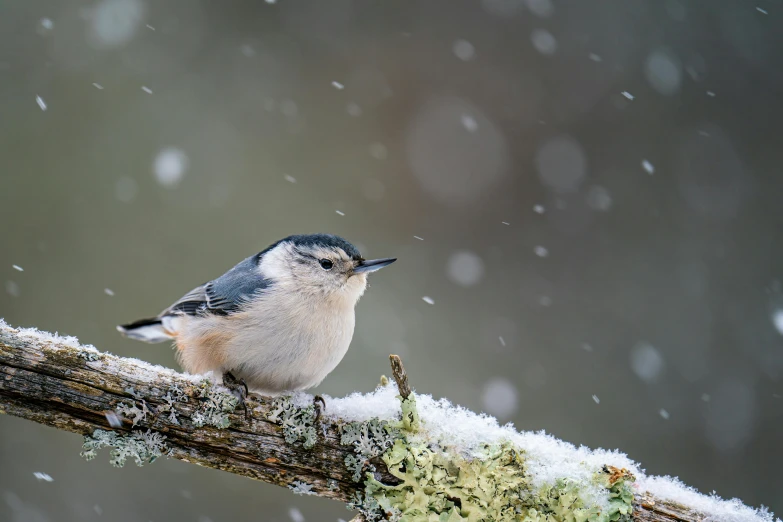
column 298, row 423
column 215, row 407
column 442, row 485
column 142, row 447
column 410, row 415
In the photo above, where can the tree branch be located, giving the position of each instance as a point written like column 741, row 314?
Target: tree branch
column 124, row 403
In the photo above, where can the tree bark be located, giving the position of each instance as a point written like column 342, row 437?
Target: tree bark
column 59, row 383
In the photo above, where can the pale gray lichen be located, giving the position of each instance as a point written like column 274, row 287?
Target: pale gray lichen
column 298, row 423
column 89, row 355
column 301, row 488
column 355, row 465
column 333, row 485
column 174, row 395
column 215, row 407
column 133, row 412
column 142, row 447
column 369, row 439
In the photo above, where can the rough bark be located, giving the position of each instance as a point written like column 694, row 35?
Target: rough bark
column 61, row 384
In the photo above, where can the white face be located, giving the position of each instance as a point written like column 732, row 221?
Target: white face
column 315, row 269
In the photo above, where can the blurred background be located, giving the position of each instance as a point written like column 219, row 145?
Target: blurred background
column 585, row 198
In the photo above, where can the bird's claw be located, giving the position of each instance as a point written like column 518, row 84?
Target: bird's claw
column 238, row 389
column 318, row 407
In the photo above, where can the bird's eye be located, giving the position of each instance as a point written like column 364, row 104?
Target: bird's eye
column 326, row 264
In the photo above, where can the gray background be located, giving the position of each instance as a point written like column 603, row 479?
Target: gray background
column 657, row 291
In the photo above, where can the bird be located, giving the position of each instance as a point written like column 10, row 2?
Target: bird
column 279, row 321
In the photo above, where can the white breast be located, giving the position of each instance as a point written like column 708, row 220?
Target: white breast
column 286, row 341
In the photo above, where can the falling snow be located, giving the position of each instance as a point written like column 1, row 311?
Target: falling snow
column 627, row 95
column 17, row 268
column 596, row 399
column 337, row 85
column 146, row 89
column 41, row 103
column 648, row 167
column 169, row 166
column 463, row 50
column 108, row 291
column 43, row 476
column 339, row 212
column 428, row 300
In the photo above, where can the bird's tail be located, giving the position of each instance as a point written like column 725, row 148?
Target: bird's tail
column 147, row 330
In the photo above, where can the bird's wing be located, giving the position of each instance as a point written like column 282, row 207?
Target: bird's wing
column 226, row 294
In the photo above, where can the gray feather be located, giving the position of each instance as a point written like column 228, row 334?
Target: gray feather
column 226, row 294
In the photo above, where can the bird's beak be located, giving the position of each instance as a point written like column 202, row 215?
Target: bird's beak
column 373, row 265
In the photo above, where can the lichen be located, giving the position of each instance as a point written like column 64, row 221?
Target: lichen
column 369, row 439
column 215, row 407
column 301, row 488
column 490, row 484
column 142, row 447
column 136, row 413
column 173, row 396
column 298, row 423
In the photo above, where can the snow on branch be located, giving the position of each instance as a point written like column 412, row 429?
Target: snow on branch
column 392, row 454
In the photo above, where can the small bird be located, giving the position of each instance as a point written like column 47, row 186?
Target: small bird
column 279, row 321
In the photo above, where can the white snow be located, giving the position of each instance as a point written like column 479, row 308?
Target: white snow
column 549, row 459
column 108, row 291
column 427, row 299
column 596, row 399
column 648, row 167
column 41, row 103
column 627, row 95
column 469, row 122
column 169, row 166
column 463, row 50
column 337, row 85
column 419, row 238
column 761, row 10
column 505, row 223
column 146, row 89
column 340, row 212
column 40, row 475
column 594, row 57
column 98, row 86
column 17, row 268
column 541, row 251
column 290, row 178
column 465, row 268
column 777, row 320
column 665, row 414
column 543, row 41
column 294, row 513
column 539, row 209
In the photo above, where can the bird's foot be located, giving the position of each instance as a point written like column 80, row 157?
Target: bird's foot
column 238, row 389
column 318, row 407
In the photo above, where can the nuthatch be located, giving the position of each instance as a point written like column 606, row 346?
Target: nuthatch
column 281, row 320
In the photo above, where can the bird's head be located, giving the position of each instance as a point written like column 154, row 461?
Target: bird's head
column 321, row 264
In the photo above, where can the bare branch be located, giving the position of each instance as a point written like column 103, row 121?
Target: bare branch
column 398, row 372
